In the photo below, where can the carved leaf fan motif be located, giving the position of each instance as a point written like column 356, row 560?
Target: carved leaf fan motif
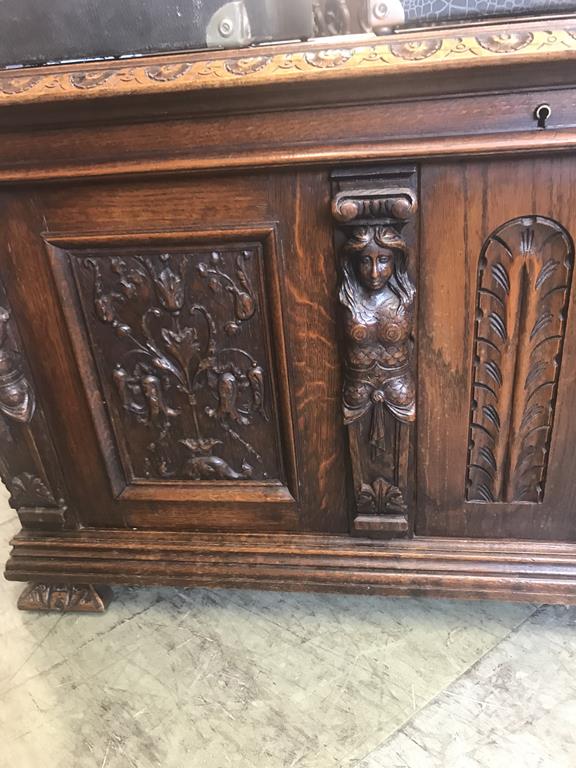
column 524, row 278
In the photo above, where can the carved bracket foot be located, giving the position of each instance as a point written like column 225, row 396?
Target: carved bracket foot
column 377, row 239
column 65, row 598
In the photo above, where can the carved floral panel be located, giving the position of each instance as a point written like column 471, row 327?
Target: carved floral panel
column 181, row 344
column 524, row 279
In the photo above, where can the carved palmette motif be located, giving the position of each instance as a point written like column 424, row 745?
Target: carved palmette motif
column 377, row 295
column 524, row 278
column 180, row 342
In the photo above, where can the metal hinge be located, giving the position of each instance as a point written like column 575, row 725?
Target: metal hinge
column 229, row 27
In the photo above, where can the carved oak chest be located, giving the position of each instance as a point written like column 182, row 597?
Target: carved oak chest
column 299, row 317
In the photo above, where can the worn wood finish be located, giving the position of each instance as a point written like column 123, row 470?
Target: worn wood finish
column 180, row 246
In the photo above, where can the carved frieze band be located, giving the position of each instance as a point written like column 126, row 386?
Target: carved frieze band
column 524, row 278
column 377, row 296
column 65, row 598
column 407, row 52
column 22, row 429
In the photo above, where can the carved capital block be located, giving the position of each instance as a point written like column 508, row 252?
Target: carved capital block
column 392, row 206
column 376, row 241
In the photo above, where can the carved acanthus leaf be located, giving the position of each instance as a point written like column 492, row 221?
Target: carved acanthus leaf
column 30, row 490
column 379, row 498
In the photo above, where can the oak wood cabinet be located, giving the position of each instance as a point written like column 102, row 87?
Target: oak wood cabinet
column 295, row 318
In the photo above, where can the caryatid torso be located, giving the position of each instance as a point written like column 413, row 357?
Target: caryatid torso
column 379, row 302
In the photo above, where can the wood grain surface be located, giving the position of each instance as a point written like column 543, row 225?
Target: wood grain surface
column 171, row 270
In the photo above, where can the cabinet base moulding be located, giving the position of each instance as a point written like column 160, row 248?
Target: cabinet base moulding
column 459, row 568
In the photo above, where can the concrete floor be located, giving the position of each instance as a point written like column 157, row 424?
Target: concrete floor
column 211, row 679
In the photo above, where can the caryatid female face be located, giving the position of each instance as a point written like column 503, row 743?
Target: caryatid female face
column 374, row 267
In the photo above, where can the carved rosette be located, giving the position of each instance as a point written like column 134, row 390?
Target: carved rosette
column 504, row 42
column 416, row 50
column 375, row 213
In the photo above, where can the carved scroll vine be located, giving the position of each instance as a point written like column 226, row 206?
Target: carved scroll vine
column 23, row 433
column 524, row 278
column 377, row 295
column 186, row 363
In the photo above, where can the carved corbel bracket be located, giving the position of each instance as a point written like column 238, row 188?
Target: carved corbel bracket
column 376, row 237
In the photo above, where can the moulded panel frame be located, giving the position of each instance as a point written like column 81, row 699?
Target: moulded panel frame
column 60, row 245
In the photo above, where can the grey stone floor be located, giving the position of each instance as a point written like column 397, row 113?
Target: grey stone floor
column 211, row 679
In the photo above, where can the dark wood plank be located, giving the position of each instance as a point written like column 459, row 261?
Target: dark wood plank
column 310, row 290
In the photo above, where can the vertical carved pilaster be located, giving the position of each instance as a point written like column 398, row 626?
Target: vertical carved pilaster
column 375, row 211
column 27, row 456
column 65, row 598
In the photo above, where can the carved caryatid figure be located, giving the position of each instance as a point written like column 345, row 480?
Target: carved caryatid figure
column 16, row 396
column 379, row 389
column 379, row 297
column 377, row 294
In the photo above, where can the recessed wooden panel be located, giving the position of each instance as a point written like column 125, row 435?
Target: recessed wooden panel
column 179, row 334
